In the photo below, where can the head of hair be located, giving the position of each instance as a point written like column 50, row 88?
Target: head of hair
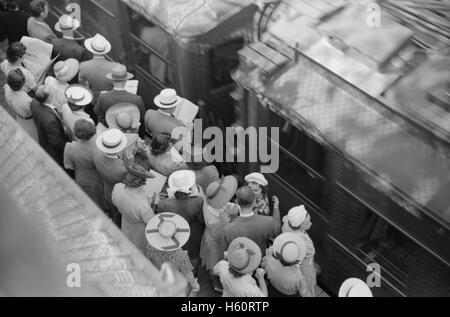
column 42, row 94
column 84, row 130
column 15, row 52
column 245, row 197
column 12, row 4
column 160, row 143
column 235, row 273
column 38, row 7
column 181, row 195
column 16, row 79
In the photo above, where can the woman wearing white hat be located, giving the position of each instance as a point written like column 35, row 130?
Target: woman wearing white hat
column 166, row 234
column 298, row 221
column 185, row 199
column 259, row 184
column 217, row 211
column 354, row 287
column 242, row 259
column 282, row 264
column 64, row 72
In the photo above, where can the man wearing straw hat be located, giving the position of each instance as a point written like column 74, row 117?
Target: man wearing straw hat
column 110, row 167
column 68, row 46
column 354, row 287
column 119, row 77
column 93, row 72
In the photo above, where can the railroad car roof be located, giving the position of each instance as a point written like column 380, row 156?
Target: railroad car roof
column 188, row 18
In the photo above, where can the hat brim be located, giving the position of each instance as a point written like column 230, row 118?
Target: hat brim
column 351, row 283
column 190, row 182
column 255, row 260
column 225, row 194
column 88, row 45
column 74, row 68
column 250, row 178
column 287, row 237
column 119, row 148
column 76, row 26
column 159, row 242
column 158, row 103
column 113, row 112
column 88, row 96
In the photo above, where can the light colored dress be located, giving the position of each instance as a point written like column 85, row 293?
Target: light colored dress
column 79, row 156
column 244, row 286
column 211, row 250
column 20, row 102
column 307, row 266
column 30, row 81
column 57, row 91
column 135, row 207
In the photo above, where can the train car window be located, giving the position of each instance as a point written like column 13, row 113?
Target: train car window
column 151, row 48
column 302, row 179
column 399, row 257
column 224, row 59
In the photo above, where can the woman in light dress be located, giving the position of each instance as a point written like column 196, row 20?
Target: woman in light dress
column 18, row 99
column 217, row 213
column 14, row 58
column 298, row 221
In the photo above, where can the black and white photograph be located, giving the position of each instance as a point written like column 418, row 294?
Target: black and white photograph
column 215, row 151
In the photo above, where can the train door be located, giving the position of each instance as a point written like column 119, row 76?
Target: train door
column 222, row 60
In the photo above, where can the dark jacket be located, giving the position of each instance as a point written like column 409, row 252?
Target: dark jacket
column 52, row 136
column 69, row 49
column 110, row 98
column 191, row 209
column 13, row 25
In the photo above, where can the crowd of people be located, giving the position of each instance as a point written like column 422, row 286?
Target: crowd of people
column 115, row 147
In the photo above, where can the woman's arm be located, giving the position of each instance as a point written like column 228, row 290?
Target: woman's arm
column 262, row 283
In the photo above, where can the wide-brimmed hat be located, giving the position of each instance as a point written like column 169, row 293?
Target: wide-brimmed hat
column 295, row 217
column 167, row 98
column 289, row 248
column 181, row 181
column 66, row 23
column 167, row 231
column 244, row 255
column 221, row 192
column 123, row 116
column 66, row 70
column 111, row 141
column 98, row 45
column 119, row 73
column 354, row 287
column 257, row 178
column 78, row 95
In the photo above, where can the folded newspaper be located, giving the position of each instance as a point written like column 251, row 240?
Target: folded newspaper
column 132, row 86
column 37, row 58
column 186, row 111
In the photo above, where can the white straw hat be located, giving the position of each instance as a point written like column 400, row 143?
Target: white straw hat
column 67, row 23
column 354, row 287
column 111, row 141
column 257, row 178
column 181, row 181
column 167, row 98
column 98, row 45
column 167, row 231
column 79, row 95
column 289, row 248
column 296, row 216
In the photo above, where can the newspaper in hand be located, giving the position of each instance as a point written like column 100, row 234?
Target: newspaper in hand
column 132, row 86
column 37, row 58
column 186, row 112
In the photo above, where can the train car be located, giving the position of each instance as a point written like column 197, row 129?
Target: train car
column 187, row 45
column 374, row 175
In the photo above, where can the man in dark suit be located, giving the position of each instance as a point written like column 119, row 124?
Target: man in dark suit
column 163, row 120
column 119, row 77
column 68, row 46
column 13, row 22
column 49, row 124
